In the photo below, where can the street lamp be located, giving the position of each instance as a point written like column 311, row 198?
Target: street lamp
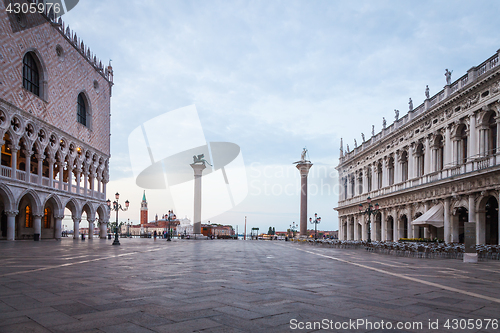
column 117, row 207
column 316, row 221
column 369, row 211
column 170, row 214
column 293, row 228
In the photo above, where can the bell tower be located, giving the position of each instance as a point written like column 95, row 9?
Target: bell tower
column 144, row 209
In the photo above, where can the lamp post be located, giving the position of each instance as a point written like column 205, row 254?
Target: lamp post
column 369, row 211
column 169, row 218
column 316, row 221
column 117, row 207
column 293, row 228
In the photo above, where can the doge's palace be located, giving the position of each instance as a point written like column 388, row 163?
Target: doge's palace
column 432, row 170
column 54, row 128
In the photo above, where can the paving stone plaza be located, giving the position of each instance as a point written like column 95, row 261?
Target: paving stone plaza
column 148, row 285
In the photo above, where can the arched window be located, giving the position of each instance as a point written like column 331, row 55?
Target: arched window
column 438, row 153
column 420, row 160
column 81, row 111
column 31, row 74
column 29, row 217
column 404, row 166
column 46, row 218
column 391, row 170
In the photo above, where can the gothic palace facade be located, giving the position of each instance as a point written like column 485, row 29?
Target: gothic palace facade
column 432, row 170
column 54, row 128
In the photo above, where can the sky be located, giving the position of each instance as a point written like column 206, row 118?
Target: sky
column 274, row 77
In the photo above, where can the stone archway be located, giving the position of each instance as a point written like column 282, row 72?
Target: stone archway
column 390, row 228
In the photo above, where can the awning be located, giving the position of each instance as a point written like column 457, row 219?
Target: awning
column 434, row 217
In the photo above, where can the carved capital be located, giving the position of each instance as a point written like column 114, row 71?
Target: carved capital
column 11, row 213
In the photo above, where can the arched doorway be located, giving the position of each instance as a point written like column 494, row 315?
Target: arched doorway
column 460, row 216
column 418, row 232
column 404, row 227
column 390, row 228
column 491, row 221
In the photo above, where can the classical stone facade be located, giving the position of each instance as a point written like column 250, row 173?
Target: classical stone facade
column 54, row 128
column 442, row 158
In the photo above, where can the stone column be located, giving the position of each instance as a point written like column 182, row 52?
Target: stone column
column 27, row 153
column 14, row 150
column 383, row 225
column 58, row 226
column 373, row 169
column 198, row 169
column 70, row 176
column 103, row 228
column 40, row 158
column 472, row 136
column 61, row 173
column 411, row 162
column 77, row 180
column 472, row 213
column 349, row 228
column 395, row 230
column 99, row 179
column 304, row 167
column 37, row 226
column 51, row 161
column 85, row 181
column 397, row 167
column 427, row 157
column 356, row 229
column 385, row 172
column 365, row 179
column 498, row 141
column 447, row 224
column 447, row 147
column 91, row 228
column 426, row 228
column 76, row 227
column 11, row 224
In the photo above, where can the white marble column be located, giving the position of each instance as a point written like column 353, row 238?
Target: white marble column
column 27, row 153
column 365, row 179
column 70, row 177
column 40, row 158
column 85, row 182
column 51, row 161
column 447, row 224
column 364, row 228
column 349, row 227
column 103, row 229
column 473, row 150
column 447, row 147
column 356, row 229
column 395, row 230
column 427, row 157
column 37, row 225
column 14, row 150
column 198, row 169
column 76, row 227
column 58, row 226
column 77, row 180
column 383, row 225
column 61, row 173
column 411, row 162
column 11, row 224
column 91, row 228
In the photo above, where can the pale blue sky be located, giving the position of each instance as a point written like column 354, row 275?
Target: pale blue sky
column 275, row 76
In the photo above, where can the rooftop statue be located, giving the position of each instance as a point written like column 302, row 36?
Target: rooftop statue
column 427, row 92
column 396, row 116
column 355, row 144
column 384, row 123
column 373, row 130
column 410, row 104
column 447, row 74
column 363, row 136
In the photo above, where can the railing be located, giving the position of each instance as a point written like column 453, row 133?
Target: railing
column 6, row 171
column 21, row 175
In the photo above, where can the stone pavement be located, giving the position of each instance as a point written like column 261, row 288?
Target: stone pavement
column 235, row 286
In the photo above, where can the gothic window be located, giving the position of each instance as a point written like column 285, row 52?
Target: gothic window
column 29, row 217
column 46, row 218
column 31, row 74
column 404, row 166
column 81, row 111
